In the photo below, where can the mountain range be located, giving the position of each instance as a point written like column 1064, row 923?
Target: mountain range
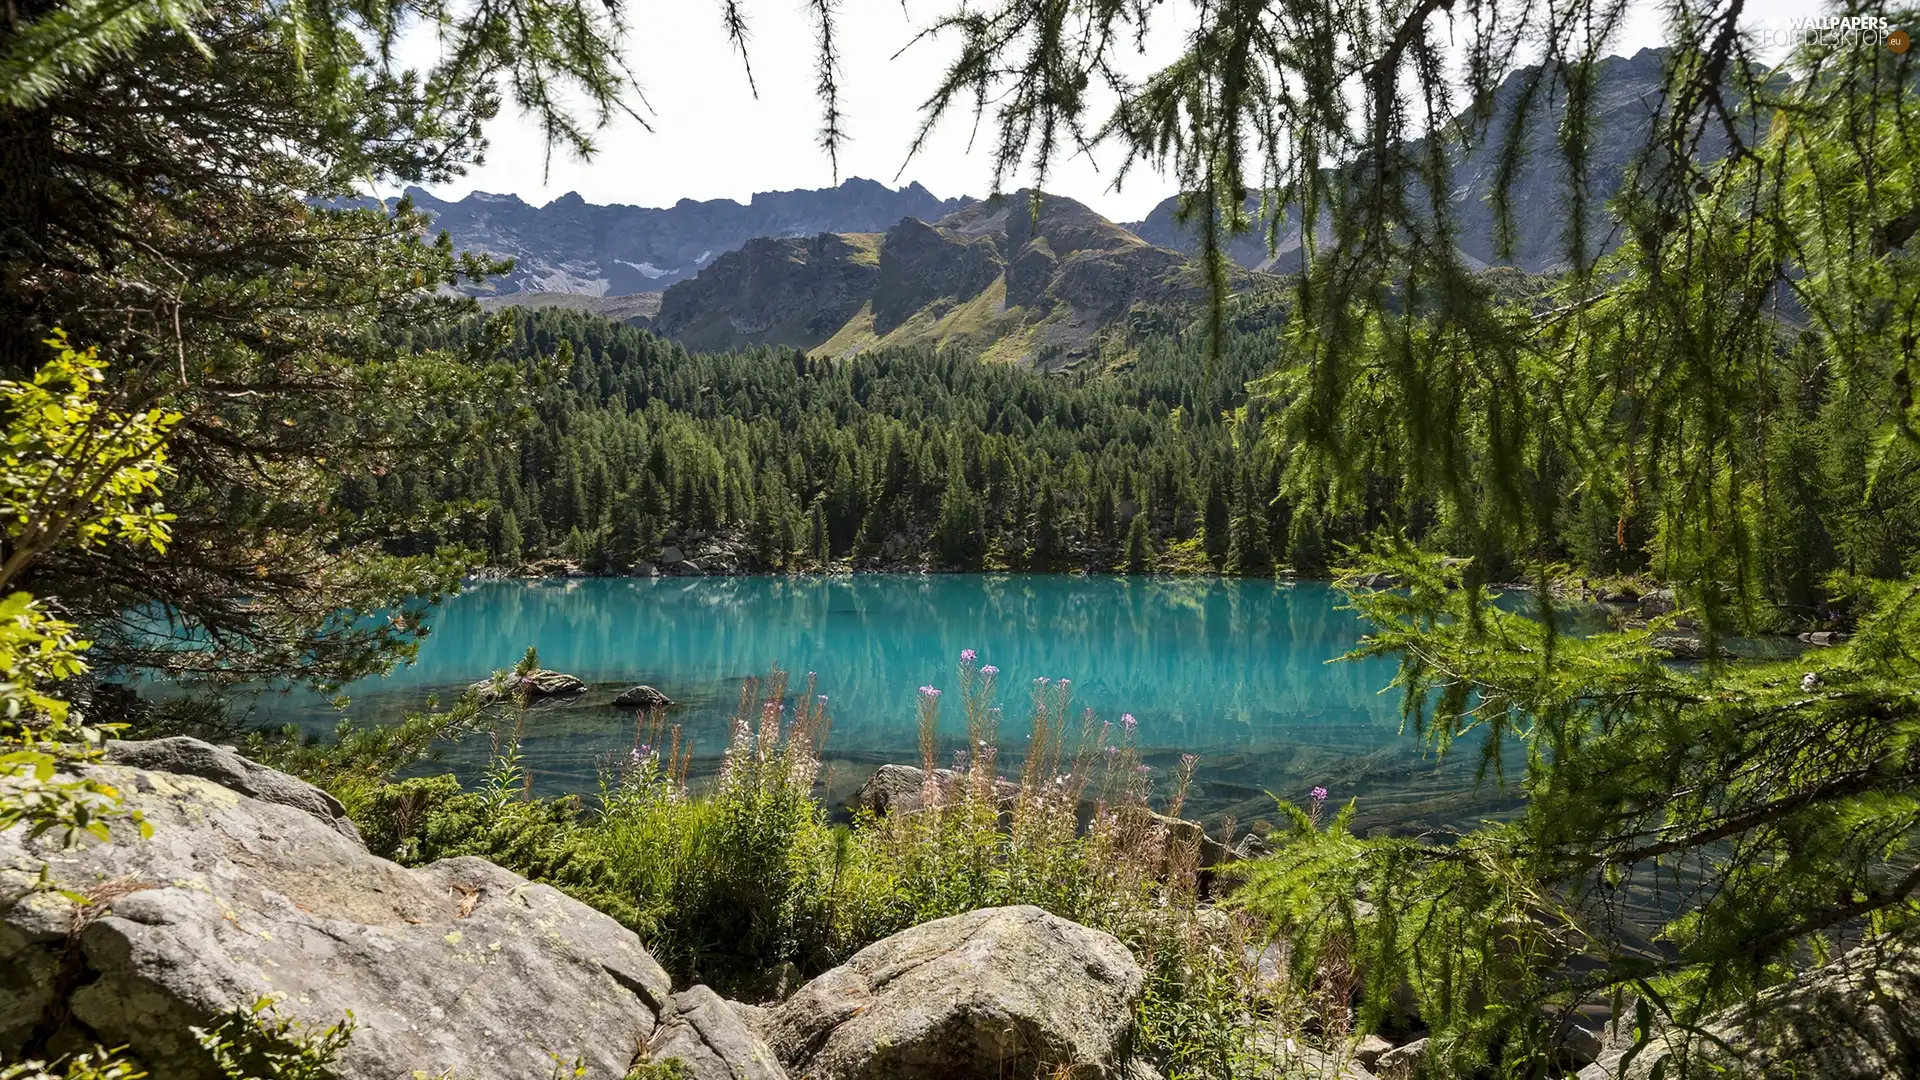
column 836, row 271
column 573, row 246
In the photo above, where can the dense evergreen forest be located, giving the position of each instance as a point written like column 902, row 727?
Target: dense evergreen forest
column 903, row 458
column 916, row 458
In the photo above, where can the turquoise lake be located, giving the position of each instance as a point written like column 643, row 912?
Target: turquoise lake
column 1235, row 671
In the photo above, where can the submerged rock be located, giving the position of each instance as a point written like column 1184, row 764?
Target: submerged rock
column 644, row 697
column 250, row 887
column 993, row 993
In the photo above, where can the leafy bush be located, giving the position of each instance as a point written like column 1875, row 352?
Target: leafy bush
column 77, row 469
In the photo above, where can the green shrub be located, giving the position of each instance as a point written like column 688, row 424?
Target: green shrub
column 739, row 878
column 259, row 1043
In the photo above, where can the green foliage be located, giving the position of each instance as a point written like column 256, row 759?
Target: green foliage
column 260, row 1043
column 355, row 764
column 722, row 885
column 731, row 879
column 74, row 469
column 1741, row 818
column 76, row 472
column 92, row 1065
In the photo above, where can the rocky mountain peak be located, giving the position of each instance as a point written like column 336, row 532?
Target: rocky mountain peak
column 1027, row 285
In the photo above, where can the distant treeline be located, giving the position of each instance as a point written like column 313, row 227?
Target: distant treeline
column 913, row 457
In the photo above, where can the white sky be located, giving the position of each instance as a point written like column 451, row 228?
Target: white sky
column 713, row 139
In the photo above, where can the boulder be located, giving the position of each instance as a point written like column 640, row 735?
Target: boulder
column 1858, row 1016
column 1401, row 1062
column 1685, row 645
column 670, row 555
column 1177, row 833
column 1657, row 602
column 249, row 888
column 1370, row 1049
column 643, row 697
column 993, row 993
column 1251, row 847
column 191, row 757
column 894, row 787
column 711, row 1041
column 1298, row 1061
column 754, row 1016
column 537, row 684
column 901, row 788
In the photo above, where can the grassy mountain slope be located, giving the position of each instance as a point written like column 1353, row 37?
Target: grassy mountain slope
column 1046, row 287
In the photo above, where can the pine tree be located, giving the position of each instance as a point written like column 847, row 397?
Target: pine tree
column 819, row 540
column 960, row 534
column 1139, row 552
column 507, row 544
column 1217, row 527
column 1045, row 552
column 1247, row 549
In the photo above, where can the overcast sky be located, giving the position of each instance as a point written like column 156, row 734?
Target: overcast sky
column 713, row 139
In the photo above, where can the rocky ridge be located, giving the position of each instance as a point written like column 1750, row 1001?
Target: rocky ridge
column 1041, row 285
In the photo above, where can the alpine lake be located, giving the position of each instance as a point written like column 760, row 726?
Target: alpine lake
column 1245, row 674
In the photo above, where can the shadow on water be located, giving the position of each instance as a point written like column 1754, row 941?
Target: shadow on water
column 1239, row 672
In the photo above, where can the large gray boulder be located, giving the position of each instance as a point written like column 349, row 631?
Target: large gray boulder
column 994, row 993
column 192, row 757
column 1856, row 1017
column 894, row 788
column 250, row 887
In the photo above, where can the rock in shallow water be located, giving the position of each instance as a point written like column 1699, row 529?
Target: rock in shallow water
column 999, row 992
column 643, row 697
column 541, row 683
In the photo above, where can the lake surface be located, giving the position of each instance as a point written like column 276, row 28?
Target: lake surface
column 1236, row 671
